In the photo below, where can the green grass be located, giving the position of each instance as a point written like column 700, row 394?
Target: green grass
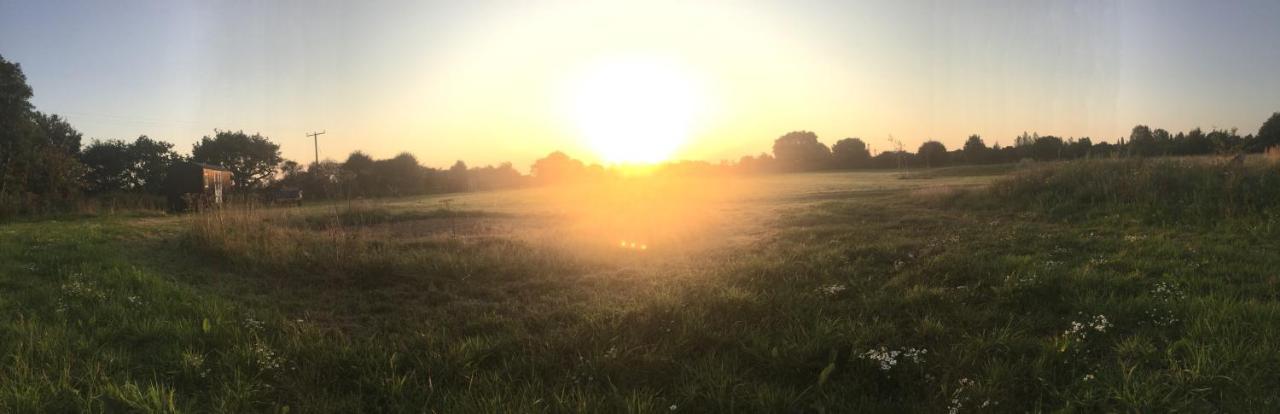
column 962, row 171
column 780, row 301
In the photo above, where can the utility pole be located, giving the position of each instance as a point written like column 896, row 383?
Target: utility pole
column 315, row 137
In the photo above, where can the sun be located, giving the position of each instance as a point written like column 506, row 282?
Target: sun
column 635, row 110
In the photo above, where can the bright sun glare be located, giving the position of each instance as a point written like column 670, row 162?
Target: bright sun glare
column 635, row 110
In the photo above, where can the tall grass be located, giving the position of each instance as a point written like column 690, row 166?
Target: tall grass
column 1166, row 190
column 354, row 241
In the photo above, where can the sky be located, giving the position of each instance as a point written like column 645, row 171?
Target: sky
column 488, row 82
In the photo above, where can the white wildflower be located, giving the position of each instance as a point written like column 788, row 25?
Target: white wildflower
column 888, row 358
column 1080, row 330
column 832, row 289
column 253, row 324
column 267, row 358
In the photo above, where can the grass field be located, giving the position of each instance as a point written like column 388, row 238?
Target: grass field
column 834, row 292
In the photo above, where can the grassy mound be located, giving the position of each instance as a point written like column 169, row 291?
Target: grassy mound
column 1171, row 190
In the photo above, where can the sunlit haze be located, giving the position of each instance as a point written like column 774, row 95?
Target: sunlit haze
column 611, row 82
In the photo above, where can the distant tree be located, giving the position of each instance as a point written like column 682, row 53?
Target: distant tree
column 291, row 168
column 1194, row 143
column 1268, row 135
column 932, row 153
column 1047, row 148
column 325, row 179
column 252, row 159
column 1142, row 142
column 1025, row 139
column 850, row 153
column 400, row 175
column 557, row 167
column 109, row 166
column 490, row 177
column 801, row 151
column 459, row 179
column 1079, row 148
column 151, row 161
column 115, row 165
column 975, row 151
column 1227, row 141
column 358, row 176
column 758, row 164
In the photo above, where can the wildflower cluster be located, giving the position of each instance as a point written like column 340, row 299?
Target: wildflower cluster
column 81, row 288
column 1131, row 238
column 1167, row 293
column 958, row 398
column 194, row 362
column 888, row 358
column 1080, row 330
column 77, row 288
column 266, row 357
column 252, row 324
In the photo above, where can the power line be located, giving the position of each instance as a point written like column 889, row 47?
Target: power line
column 315, row 136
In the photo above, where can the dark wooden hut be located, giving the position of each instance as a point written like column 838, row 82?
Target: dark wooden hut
column 196, row 186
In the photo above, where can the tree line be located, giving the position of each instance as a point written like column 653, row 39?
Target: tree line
column 44, row 165
column 802, row 151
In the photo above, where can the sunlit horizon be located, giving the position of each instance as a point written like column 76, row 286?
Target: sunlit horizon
column 512, row 82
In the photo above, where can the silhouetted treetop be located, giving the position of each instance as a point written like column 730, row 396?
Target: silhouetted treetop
column 850, row 153
column 801, row 151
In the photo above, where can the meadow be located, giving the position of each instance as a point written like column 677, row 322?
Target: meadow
column 1085, row 286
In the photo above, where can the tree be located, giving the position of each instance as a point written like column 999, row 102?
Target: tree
column 1142, row 142
column 557, row 167
column 400, row 175
column 933, row 153
column 115, row 165
column 975, row 151
column 358, row 175
column 108, row 166
column 1268, row 135
column 801, row 151
column 37, row 151
column 1079, row 148
column 57, row 132
column 1047, row 148
column 850, row 153
column 252, row 159
column 458, row 177
column 151, row 161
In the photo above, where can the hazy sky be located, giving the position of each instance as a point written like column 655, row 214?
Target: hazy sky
column 485, row 81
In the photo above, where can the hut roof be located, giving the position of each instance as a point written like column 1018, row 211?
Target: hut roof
column 210, row 166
